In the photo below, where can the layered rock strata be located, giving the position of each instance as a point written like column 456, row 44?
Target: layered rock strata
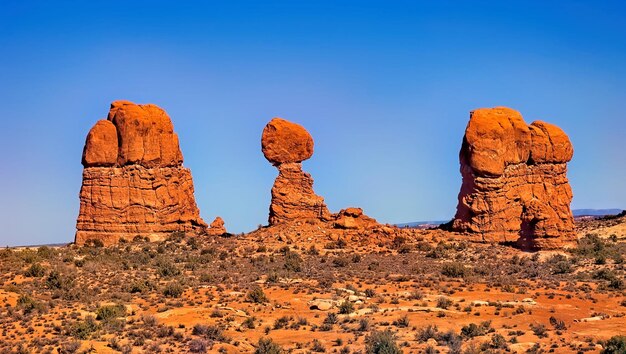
column 134, row 183
column 286, row 145
column 515, row 186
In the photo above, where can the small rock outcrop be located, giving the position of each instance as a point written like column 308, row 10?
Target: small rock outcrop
column 217, row 228
column 515, row 187
column 353, row 219
column 134, row 183
column 286, row 145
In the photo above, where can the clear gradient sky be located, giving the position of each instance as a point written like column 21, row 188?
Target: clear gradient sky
column 385, row 88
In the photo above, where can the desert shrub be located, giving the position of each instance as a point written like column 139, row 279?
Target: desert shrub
column 45, row 252
column 256, row 295
column 425, row 333
column 267, row 346
column 110, row 312
column 559, row 325
column 346, row 307
column 381, row 342
column 83, row 329
column 340, row 262
column 36, row 270
column 497, row 342
column 473, row 330
column 281, row 322
column 454, row 270
column 70, row 347
column 139, row 286
column 249, row 323
column 439, row 251
column 539, row 330
column 364, row 325
column 592, row 246
column 559, row 264
column 28, row 304
column 339, row 244
column 615, row 345
column 173, row 289
column 331, row 318
column 443, row 302
column 167, row 269
column 198, row 346
column 293, row 261
column 402, row 322
column 317, row 346
column 57, row 281
column 209, row 332
column 398, row 242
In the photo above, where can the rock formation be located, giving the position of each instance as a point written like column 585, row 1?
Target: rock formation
column 515, row 187
column 286, row 145
column 353, row 218
column 134, row 183
column 217, row 227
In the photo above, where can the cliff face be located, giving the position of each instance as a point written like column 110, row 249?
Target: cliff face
column 134, row 183
column 515, row 187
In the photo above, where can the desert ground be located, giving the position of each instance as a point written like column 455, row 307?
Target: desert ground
column 428, row 292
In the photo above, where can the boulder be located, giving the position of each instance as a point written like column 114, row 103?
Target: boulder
column 216, row 228
column 286, row 142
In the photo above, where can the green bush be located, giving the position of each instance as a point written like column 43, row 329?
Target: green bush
column 173, row 289
column 346, row 307
column 381, row 342
column 256, row 295
column 454, row 270
column 267, row 346
column 473, row 330
column 293, row 261
column 28, row 304
column 36, row 270
column 615, row 345
column 110, row 312
column 83, row 329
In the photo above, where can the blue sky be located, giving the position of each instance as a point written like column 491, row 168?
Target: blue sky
column 385, row 88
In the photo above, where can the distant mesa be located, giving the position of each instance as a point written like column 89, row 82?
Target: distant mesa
column 134, row 183
column 515, row 187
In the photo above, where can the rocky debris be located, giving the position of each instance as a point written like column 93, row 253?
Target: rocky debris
column 515, row 187
column 286, row 145
column 353, row 218
column 322, row 304
column 216, row 228
column 134, row 183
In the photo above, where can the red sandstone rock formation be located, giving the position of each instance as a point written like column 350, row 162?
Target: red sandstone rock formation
column 515, row 187
column 134, row 183
column 217, row 227
column 286, row 145
column 353, row 218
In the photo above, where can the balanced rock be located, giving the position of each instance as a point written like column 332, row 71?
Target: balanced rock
column 286, row 142
column 216, row 228
column 134, row 183
column 515, row 187
column 286, row 145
